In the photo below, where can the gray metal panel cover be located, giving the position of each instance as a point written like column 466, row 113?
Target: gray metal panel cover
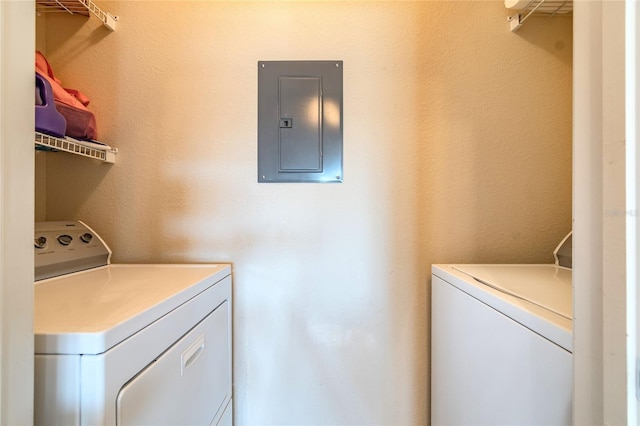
column 300, row 121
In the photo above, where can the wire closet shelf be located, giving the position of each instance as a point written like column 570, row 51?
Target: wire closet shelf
column 67, row 144
column 77, row 7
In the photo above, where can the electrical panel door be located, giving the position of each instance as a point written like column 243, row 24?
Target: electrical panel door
column 300, row 121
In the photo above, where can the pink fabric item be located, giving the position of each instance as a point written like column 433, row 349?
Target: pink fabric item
column 72, row 104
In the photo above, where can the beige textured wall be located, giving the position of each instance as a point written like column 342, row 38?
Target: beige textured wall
column 457, row 145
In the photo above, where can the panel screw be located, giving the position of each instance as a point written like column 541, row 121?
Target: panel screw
column 337, row 65
column 262, row 65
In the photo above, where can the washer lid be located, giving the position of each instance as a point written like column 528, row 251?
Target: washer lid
column 91, row 311
column 547, row 286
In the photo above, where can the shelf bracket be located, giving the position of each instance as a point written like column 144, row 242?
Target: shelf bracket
column 515, row 22
column 529, row 7
column 518, row 19
column 107, row 19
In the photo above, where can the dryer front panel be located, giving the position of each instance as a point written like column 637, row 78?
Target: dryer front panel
column 189, row 384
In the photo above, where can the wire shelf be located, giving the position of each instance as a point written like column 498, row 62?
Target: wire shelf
column 79, row 7
column 106, row 154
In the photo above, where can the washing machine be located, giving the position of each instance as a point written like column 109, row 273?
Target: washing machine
column 501, row 343
column 127, row 344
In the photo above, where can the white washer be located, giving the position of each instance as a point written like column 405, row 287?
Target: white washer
column 501, row 345
column 128, row 344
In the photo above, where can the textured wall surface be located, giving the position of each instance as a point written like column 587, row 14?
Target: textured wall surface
column 457, row 146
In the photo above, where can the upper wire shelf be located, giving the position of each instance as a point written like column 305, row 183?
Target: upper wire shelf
column 80, row 7
column 529, row 7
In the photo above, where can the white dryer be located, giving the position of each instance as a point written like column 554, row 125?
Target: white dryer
column 501, row 344
column 127, row 344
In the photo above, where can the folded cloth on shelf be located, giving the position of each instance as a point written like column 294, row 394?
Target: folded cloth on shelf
column 71, row 103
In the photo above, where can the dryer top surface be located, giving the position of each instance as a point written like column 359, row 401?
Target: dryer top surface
column 90, row 311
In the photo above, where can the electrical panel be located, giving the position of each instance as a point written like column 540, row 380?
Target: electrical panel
column 300, row 121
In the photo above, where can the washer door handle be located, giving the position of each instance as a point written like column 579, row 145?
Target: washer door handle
column 192, row 353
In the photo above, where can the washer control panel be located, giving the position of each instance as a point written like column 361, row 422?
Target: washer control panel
column 64, row 247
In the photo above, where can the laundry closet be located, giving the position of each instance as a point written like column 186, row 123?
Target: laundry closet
column 457, row 148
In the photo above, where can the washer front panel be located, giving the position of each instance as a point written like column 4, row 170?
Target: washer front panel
column 488, row 369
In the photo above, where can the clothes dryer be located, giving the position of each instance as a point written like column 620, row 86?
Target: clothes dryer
column 127, row 344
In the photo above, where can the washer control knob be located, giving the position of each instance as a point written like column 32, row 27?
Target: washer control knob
column 86, row 237
column 65, row 240
column 40, row 242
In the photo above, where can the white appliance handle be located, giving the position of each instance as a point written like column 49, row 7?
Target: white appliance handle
column 192, row 353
